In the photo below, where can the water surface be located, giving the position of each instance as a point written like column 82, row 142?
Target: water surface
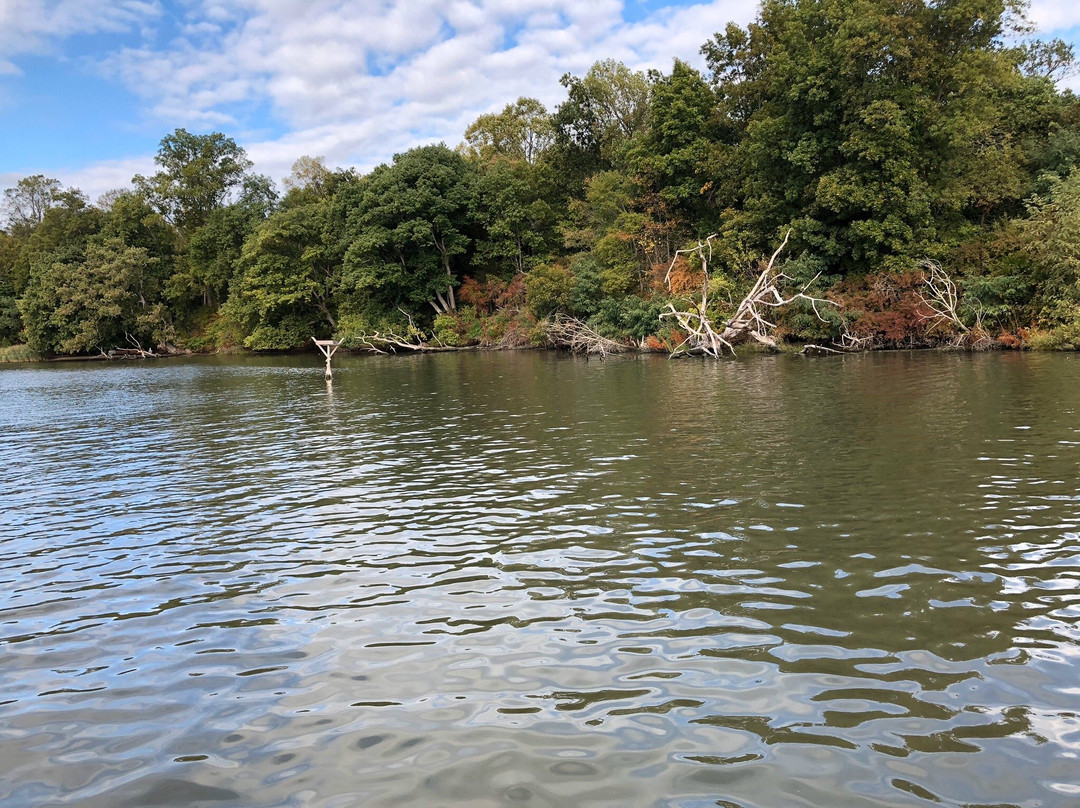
column 529, row 580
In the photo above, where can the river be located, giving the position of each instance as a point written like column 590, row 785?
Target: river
column 525, row 579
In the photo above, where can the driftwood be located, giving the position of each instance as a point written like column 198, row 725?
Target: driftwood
column 748, row 322
column 413, row 340
column 389, row 342
column 135, row 352
column 580, row 337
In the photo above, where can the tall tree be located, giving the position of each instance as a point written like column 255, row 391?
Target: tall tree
column 197, row 174
column 878, row 128
column 25, row 205
column 522, row 131
column 518, row 220
column 603, row 111
column 411, row 231
column 287, row 287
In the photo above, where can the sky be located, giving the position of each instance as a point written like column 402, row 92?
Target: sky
column 89, row 87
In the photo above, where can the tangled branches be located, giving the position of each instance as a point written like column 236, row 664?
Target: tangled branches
column 944, row 303
column 748, row 321
column 580, row 337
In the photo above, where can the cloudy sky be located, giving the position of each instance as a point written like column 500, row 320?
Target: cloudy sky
column 89, row 87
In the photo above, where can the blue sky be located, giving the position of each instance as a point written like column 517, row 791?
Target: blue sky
column 89, row 87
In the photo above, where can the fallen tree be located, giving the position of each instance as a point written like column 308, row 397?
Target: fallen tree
column 944, row 302
column 748, row 322
column 579, row 337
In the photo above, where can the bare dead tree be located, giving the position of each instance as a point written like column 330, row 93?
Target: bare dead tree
column 749, row 321
column 390, row 341
column 944, row 301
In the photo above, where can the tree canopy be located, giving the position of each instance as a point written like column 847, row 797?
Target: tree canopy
column 886, row 135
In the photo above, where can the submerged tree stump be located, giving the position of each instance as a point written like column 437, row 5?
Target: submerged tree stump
column 328, row 347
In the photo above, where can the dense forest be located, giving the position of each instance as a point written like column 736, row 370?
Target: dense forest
column 918, row 158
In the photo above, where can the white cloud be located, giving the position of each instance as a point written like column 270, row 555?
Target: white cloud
column 358, row 81
column 31, row 26
column 1054, row 15
column 108, row 175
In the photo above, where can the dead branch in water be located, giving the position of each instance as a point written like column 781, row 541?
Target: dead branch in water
column 569, row 332
column 748, row 321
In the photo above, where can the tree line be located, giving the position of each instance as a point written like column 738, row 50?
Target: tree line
column 881, row 137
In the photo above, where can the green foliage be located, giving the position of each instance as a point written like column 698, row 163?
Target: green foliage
column 522, row 131
column 10, row 319
column 593, row 128
column 288, row 282
column 586, row 289
column 24, row 205
column 17, row 353
column 459, row 328
column 678, row 157
column 630, row 316
column 410, row 232
column 111, row 299
column 1064, row 337
column 197, row 173
column 61, row 236
column 1053, row 230
column 877, row 128
column 548, row 288
column 615, row 233
column 516, row 219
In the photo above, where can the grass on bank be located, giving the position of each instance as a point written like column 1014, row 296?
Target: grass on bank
column 17, row 353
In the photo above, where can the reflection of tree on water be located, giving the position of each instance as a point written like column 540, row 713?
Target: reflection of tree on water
column 469, row 567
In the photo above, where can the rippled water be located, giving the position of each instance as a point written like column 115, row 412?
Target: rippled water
column 525, row 579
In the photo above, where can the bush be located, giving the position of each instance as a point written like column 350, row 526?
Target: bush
column 548, row 288
column 630, row 317
column 18, row 353
column 458, row 328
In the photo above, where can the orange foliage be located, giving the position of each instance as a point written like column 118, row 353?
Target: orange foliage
column 888, row 307
column 483, row 296
column 1012, row 342
column 684, row 279
column 513, row 295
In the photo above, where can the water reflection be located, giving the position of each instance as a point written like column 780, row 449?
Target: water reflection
column 527, row 579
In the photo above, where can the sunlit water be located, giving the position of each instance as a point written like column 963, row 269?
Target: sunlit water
column 525, row 579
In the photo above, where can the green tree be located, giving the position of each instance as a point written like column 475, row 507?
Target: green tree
column 411, row 231
column 603, row 111
column 880, row 129
column 287, row 287
column 10, row 319
column 678, row 158
column 25, row 205
column 1053, row 240
column 61, row 237
column 197, row 173
column 522, row 131
column 111, row 299
column 518, row 220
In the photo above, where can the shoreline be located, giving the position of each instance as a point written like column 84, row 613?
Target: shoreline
column 809, row 350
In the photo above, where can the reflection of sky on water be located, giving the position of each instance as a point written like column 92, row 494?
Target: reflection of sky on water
column 481, row 578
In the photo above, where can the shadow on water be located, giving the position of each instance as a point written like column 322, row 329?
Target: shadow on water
column 526, row 579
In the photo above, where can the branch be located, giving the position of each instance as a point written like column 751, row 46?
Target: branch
column 580, row 337
column 748, row 321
